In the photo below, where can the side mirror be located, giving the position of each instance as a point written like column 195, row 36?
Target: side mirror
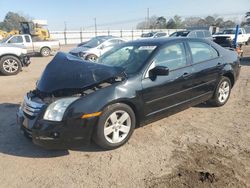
column 101, row 47
column 159, row 71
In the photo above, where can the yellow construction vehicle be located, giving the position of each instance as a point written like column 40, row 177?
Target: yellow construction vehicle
column 13, row 32
column 3, row 34
column 36, row 29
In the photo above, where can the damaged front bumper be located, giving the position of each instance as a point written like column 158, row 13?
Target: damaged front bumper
column 51, row 134
column 25, row 60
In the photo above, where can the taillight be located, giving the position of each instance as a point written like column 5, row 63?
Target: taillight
column 239, row 51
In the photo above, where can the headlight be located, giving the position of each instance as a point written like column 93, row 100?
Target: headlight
column 55, row 110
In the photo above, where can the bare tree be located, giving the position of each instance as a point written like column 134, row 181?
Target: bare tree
column 247, row 19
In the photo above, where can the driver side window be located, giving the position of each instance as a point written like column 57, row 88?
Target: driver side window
column 172, row 56
column 16, row 39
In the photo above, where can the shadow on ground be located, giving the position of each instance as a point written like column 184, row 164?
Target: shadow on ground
column 204, row 105
column 13, row 142
column 245, row 61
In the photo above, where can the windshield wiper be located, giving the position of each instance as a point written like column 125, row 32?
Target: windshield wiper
column 87, row 46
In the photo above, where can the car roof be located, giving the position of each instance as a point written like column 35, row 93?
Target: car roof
column 104, row 36
column 162, row 41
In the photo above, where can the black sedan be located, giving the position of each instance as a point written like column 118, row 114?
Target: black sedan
column 140, row 81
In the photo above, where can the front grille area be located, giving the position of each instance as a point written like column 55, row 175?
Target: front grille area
column 31, row 107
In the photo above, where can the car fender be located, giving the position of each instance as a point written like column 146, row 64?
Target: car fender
column 228, row 71
column 120, row 92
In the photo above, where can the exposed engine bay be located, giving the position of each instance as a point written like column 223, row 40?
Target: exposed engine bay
column 68, row 76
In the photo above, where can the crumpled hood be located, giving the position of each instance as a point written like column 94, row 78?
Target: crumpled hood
column 66, row 71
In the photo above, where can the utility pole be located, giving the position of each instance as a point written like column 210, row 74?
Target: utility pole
column 65, row 32
column 65, row 26
column 147, row 18
column 95, row 27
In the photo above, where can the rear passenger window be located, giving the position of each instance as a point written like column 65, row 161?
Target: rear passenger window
column 172, row 56
column 200, row 34
column 27, row 38
column 202, row 51
column 192, row 34
column 207, row 34
column 160, row 35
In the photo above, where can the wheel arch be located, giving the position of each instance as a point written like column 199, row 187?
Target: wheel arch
column 131, row 105
column 230, row 75
column 14, row 55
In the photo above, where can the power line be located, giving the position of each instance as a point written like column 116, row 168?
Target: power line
column 117, row 22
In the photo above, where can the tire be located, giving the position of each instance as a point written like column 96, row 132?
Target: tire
column 45, row 52
column 110, row 133
column 222, row 92
column 91, row 58
column 10, row 65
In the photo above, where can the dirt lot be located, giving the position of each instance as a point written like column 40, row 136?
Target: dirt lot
column 199, row 147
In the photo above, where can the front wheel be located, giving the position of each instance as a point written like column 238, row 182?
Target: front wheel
column 115, row 126
column 10, row 65
column 222, row 92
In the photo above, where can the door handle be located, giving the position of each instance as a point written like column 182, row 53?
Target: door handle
column 186, row 75
column 218, row 64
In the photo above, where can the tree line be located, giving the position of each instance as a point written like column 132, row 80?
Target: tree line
column 12, row 21
column 177, row 22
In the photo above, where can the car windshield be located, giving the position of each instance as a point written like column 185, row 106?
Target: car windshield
column 229, row 31
column 130, row 57
column 5, row 39
column 179, row 34
column 94, row 42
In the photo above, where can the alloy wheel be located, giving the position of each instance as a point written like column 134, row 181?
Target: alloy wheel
column 117, row 126
column 224, row 90
column 10, row 65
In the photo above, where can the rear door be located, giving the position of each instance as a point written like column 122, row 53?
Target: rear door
column 169, row 91
column 206, row 68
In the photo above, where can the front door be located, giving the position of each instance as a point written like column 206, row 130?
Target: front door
column 172, row 90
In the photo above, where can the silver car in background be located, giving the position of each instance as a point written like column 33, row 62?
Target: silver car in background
column 205, row 34
column 94, row 48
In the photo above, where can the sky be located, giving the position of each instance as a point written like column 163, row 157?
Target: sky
column 118, row 14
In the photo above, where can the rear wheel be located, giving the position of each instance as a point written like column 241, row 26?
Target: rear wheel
column 222, row 92
column 115, row 126
column 10, row 65
column 45, row 51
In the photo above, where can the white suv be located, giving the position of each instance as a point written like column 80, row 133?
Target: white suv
column 12, row 59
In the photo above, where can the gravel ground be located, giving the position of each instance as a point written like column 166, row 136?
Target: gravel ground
column 199, row 147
